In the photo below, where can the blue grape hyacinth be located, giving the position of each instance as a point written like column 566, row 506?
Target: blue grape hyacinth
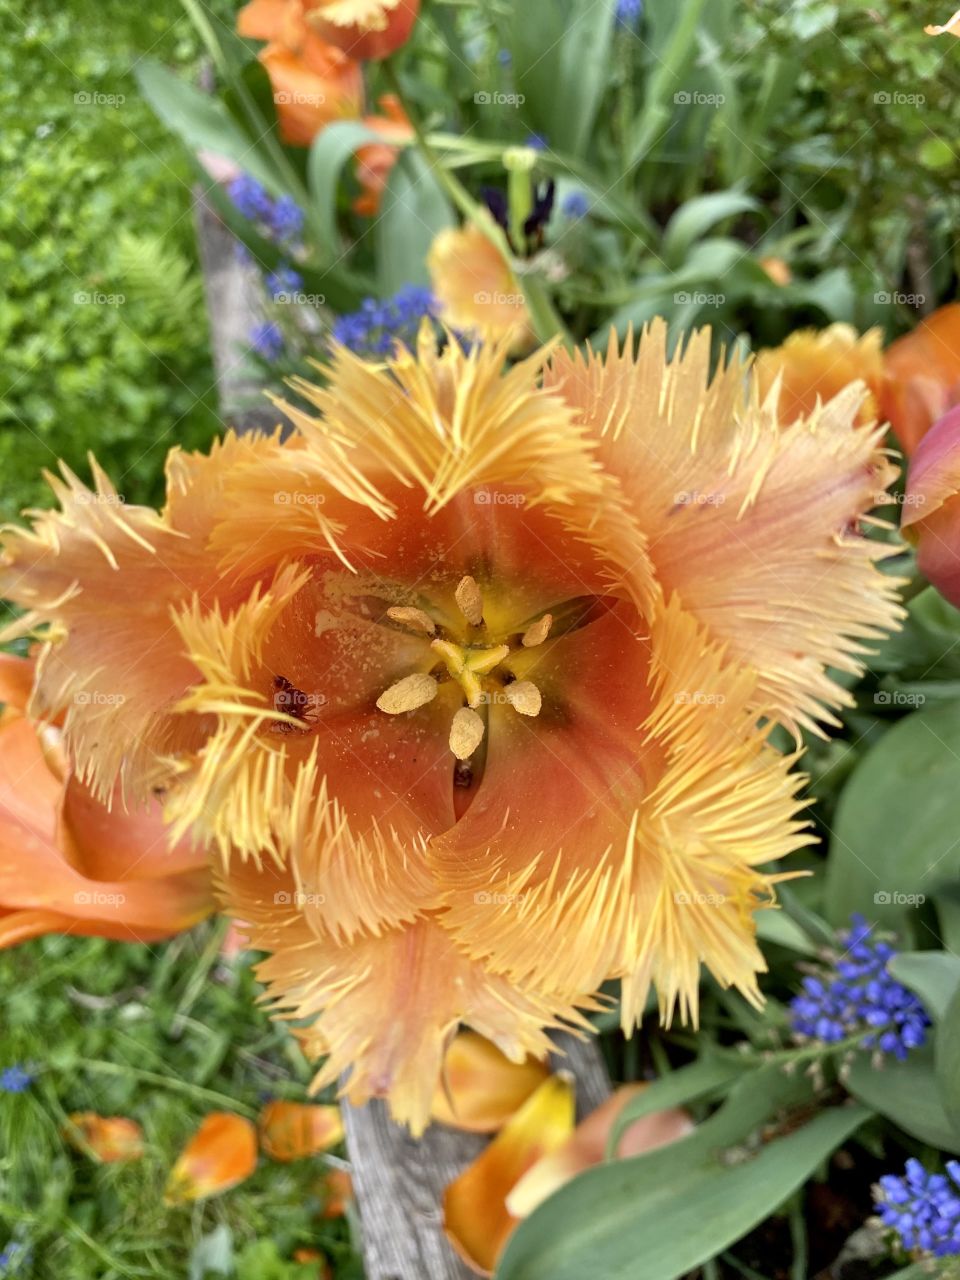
column 923, row 1208
column 267, row 340
column 860, row 995
column 280, row 219
column 629, row 12
column 379, row 324
column 15, row 1079
column 15, row 1259
column 576, row 205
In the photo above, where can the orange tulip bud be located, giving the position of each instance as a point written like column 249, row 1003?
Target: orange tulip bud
column 293, row 1130
column 110, row 1138
column 220, row 1155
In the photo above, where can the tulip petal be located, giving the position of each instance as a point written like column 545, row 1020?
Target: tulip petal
column 922, row 376
column 475, row 1214
column 481, row 1088
column 16, row 681
column 931, row 510
column 476, row 287
column 293, row 1130
column 220, row 1155
column 814, row 365
column 111, row 1139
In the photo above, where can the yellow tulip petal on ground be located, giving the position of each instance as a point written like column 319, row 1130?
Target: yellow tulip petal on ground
column 475, row 1214
column 481, row 1088
column 112, row 1139
column 293, row 1130
column 220, row 1155
column 587, row 1146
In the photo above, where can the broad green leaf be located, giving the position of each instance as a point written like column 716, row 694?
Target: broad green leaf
column 946, row 1058
column 329, row 152
column 906, row 1093
column 932, row 975
column 895, row 832
column 693, row 219
column 777, row 927
column 203, row 122
column 585, row 70
column 928, row 645
column 659, row 1215
column 698, row 1080
column 414, row 208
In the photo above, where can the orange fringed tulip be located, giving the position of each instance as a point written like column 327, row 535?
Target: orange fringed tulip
column 931, row 511
column 70, row 864
column 220, row 1155
column 481, row 1088
column 376, row 159
column 922, row 376
column 462, row 682
column 818, row 364
column 110, row 1138
column 477, row 289
column 475, row 1214
column 588, row 1143
column 294, row 1130
column 313, row 81
column 364, row 29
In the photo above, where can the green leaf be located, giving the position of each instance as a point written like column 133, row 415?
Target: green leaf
column 659, row 1215
column 585, row 71
column 693, row 219
column 414, row 208
column 895, row 830
column 932, row 975
column 777, row 927
column 906, row 1093
column 203, row 122
column 329, row 152
column 928, row 645
column 946, row 1059
column 687, row 1084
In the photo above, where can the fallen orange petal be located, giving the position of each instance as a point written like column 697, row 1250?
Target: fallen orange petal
column 323, row 1271
column 587, row 1147
column 110, row 1138
column 475, row 1214
column 335, row 1190
column 293, row 1130
column 221, row 1154
column 481, row 1088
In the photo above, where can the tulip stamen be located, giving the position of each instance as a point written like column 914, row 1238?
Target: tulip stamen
column 413, row 619
column 468, row 665
column 408, row 694
column 469, row 600
column 524, row 696
column 537, row 632
column 466, row 733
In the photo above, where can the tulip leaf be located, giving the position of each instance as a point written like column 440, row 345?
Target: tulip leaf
column 203, row 122
column 906, row 1093
column 927, row 647
column 659, row 1215
column 413, row 209
column 329, row 152
column 698, row 1080
column 946, row 1058
column 693, row 219
column 932, row 975
column 894, row 840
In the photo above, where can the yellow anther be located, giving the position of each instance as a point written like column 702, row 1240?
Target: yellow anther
column 466, row 733
column 408, row 694
column 537, row 632
column 414, row 619
column 524, row 696
column 469, row 600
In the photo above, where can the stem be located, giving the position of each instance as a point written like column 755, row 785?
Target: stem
column 165, row 1082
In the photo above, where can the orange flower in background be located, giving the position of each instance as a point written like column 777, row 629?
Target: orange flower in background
column 461, row 683
column 293, row 1130
column 922, row 376
column 111, row 1139
column 220, row 1155
column 335, row 1190
column 817, row 364
column 365, row 29
column 475, row 1214
column 70, row 864
column 376, row 159
column 313, row 81
column 480, row 1088
column 931, row 510
column 778, row 270
column 322, row 1271
column 477, row 288
column 950, row 27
